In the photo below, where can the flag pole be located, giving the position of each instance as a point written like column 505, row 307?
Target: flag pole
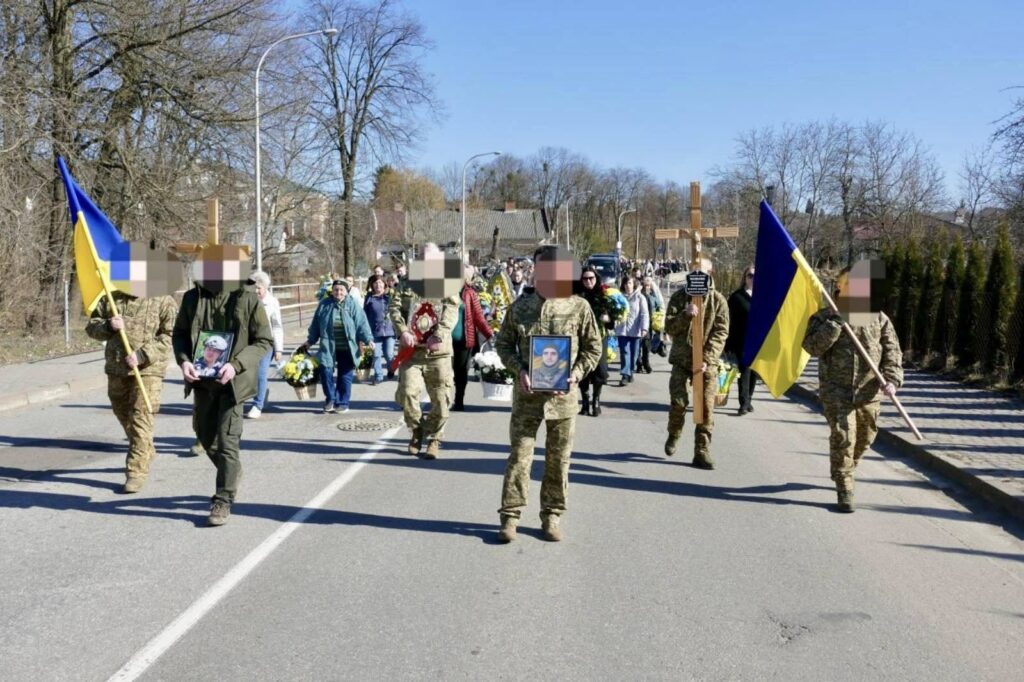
column 114, row 311
column 874, row 368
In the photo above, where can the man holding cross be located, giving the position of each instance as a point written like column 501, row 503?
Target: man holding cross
column 678, row 320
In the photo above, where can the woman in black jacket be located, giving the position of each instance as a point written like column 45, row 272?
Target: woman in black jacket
column 590, row 290
column 739, row 311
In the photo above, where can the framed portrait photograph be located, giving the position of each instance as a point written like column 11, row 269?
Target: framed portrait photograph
column 212, row 351
column 549, row 363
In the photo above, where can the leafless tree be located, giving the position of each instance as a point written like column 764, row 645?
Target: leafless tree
column 372, row 90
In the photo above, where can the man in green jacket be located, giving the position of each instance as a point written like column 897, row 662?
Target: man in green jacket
column 223, row 306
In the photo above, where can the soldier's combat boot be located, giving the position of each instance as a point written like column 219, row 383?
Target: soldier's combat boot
column 508, row 529
column 133, row 485
column 552, row 533
column 670, row 443
column 595, row 405
column 219, row 513
column 416, row 441
column 433, row 448
column 585, row 409
column 846, row 501
column 702, row 459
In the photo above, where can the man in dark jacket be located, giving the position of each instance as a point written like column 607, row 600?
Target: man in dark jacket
column 215, row 304
column 739, row 311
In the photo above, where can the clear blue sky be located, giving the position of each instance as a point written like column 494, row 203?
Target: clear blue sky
column 667, row 86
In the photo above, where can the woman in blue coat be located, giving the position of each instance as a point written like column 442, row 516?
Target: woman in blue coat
column 340, row 325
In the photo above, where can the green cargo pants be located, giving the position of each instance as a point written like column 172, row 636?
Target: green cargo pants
column 218, row 424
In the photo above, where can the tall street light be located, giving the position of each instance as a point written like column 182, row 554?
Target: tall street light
column 618, row 234
column 259, row 184
column 568, row 218
column 465, row 251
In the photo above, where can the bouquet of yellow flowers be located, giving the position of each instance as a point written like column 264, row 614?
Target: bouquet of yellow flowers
column 301, row 370
column 365, row 358
column 658, row 321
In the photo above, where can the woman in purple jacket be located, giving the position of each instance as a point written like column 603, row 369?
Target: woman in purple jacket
column 376, row 309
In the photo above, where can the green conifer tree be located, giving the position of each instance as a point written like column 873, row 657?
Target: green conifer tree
column 1016, row 332
column 952, row 281
column 930, row 294
column 909, row 291
column 968, row 331
column 1000, row 296
column 893, row 259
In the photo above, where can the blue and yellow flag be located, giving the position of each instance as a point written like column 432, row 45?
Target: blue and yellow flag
column 98, row 245
column 786, row 294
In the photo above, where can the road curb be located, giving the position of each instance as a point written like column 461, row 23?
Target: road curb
column 944, row 466
column 47, row 393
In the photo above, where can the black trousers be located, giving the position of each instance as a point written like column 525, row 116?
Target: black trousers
column 747, row 379
column 460, row 367
column 645, row 353
column 598, row 376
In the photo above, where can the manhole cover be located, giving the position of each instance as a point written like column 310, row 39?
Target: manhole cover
column 368, row 424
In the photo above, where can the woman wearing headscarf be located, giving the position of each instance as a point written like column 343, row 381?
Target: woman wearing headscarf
column 340, row 325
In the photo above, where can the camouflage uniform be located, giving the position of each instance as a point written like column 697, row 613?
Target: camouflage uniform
column 529, row 315
column 148, row 323
column 849, row 389
column 716, row 330
column 425, row 369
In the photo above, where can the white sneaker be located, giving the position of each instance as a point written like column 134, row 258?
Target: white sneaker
column 342, row 410
column 254, row 412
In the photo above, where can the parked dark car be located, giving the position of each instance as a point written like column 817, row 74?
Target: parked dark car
column 607, row 267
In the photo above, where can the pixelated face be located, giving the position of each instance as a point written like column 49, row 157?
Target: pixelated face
column 554, row 274
column 437, row 275
column 549, row 356
column 143, row 272
column 860, row 293
column 221, row 267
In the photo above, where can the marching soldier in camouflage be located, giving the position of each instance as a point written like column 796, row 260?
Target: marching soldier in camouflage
column 678, row 318
column 148, row 323
column 849, row 390
column 551, row 309
column 430, row 366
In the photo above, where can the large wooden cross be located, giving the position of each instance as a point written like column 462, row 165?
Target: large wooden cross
column 699, row 286
column 212, row 231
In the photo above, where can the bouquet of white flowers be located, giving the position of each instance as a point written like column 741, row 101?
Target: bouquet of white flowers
column 491, row 369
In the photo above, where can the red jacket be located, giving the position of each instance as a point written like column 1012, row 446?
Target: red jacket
column 473, row 318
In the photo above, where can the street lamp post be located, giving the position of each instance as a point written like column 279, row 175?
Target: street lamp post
column 568, row 217
column 618, row 234
column 259, row 187
column 465, row 250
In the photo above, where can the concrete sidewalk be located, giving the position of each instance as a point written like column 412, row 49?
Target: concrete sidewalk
column 972, row 436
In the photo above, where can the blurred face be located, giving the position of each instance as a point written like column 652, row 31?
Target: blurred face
column 211, row 355
column 589, row 280
column 261, row 290
column 554, row 278
column 339, row 292
column 378, row 287
column 379, row 271
column 628, row 287
column 748, row 280
column 517, row 275
column 549, row 356
column 470, row 273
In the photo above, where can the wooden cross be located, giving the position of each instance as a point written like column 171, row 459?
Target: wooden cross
column 212, row 231
column 696, row 233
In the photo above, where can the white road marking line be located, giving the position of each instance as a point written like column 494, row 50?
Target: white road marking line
column 156, row 647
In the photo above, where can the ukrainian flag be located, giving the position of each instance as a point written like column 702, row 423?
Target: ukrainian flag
column 99, row 249
column 786, row 294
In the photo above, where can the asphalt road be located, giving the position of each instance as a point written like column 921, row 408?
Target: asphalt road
column 347, row 559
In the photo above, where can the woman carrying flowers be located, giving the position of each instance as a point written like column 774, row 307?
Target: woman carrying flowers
column 632, row 329
column 339, row 324
column 598, row 297
column 471, row 323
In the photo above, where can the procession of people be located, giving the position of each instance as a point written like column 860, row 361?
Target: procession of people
column 554, row 327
